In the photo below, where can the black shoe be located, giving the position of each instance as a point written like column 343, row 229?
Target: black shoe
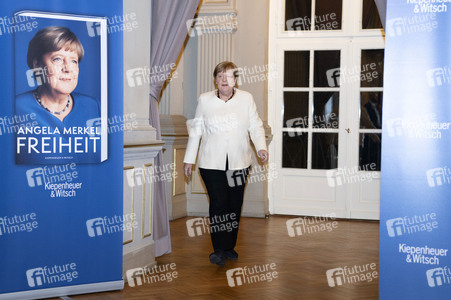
column 218, row 258
column 231, row 254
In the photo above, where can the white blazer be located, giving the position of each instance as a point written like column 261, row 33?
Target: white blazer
column 224, row 128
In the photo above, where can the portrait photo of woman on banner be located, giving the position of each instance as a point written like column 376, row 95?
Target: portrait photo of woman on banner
column 64, row 113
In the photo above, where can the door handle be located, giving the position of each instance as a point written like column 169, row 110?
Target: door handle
column 348, row 130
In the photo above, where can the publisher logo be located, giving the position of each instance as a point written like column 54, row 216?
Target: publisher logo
column 418, row 127
column 425, row 255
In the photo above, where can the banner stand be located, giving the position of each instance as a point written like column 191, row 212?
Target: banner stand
column 66, row 291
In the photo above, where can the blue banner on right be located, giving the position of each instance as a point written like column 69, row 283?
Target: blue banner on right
column 415, row 227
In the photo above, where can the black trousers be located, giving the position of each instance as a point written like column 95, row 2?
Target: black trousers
column 225, row 190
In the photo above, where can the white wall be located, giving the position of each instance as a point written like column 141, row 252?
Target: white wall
column 251, row 45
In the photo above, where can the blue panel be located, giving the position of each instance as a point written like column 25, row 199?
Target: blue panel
column 49, row 240
column 415, row 228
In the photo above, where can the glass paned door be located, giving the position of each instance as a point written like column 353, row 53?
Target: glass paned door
column 311, row 101
column 326, row 107
column 313, row 15
column 371, row 84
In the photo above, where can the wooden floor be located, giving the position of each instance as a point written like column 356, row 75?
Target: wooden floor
column 301, row 263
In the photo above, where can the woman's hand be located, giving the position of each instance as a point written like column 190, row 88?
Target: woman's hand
column 263, row 154
column 188, row 168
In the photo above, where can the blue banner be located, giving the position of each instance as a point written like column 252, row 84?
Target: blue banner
column 415, row 227
column 61, row 207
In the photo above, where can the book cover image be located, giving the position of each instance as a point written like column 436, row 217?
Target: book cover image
column 61, row 85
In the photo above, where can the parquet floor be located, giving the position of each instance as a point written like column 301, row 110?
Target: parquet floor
column 301, row 263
